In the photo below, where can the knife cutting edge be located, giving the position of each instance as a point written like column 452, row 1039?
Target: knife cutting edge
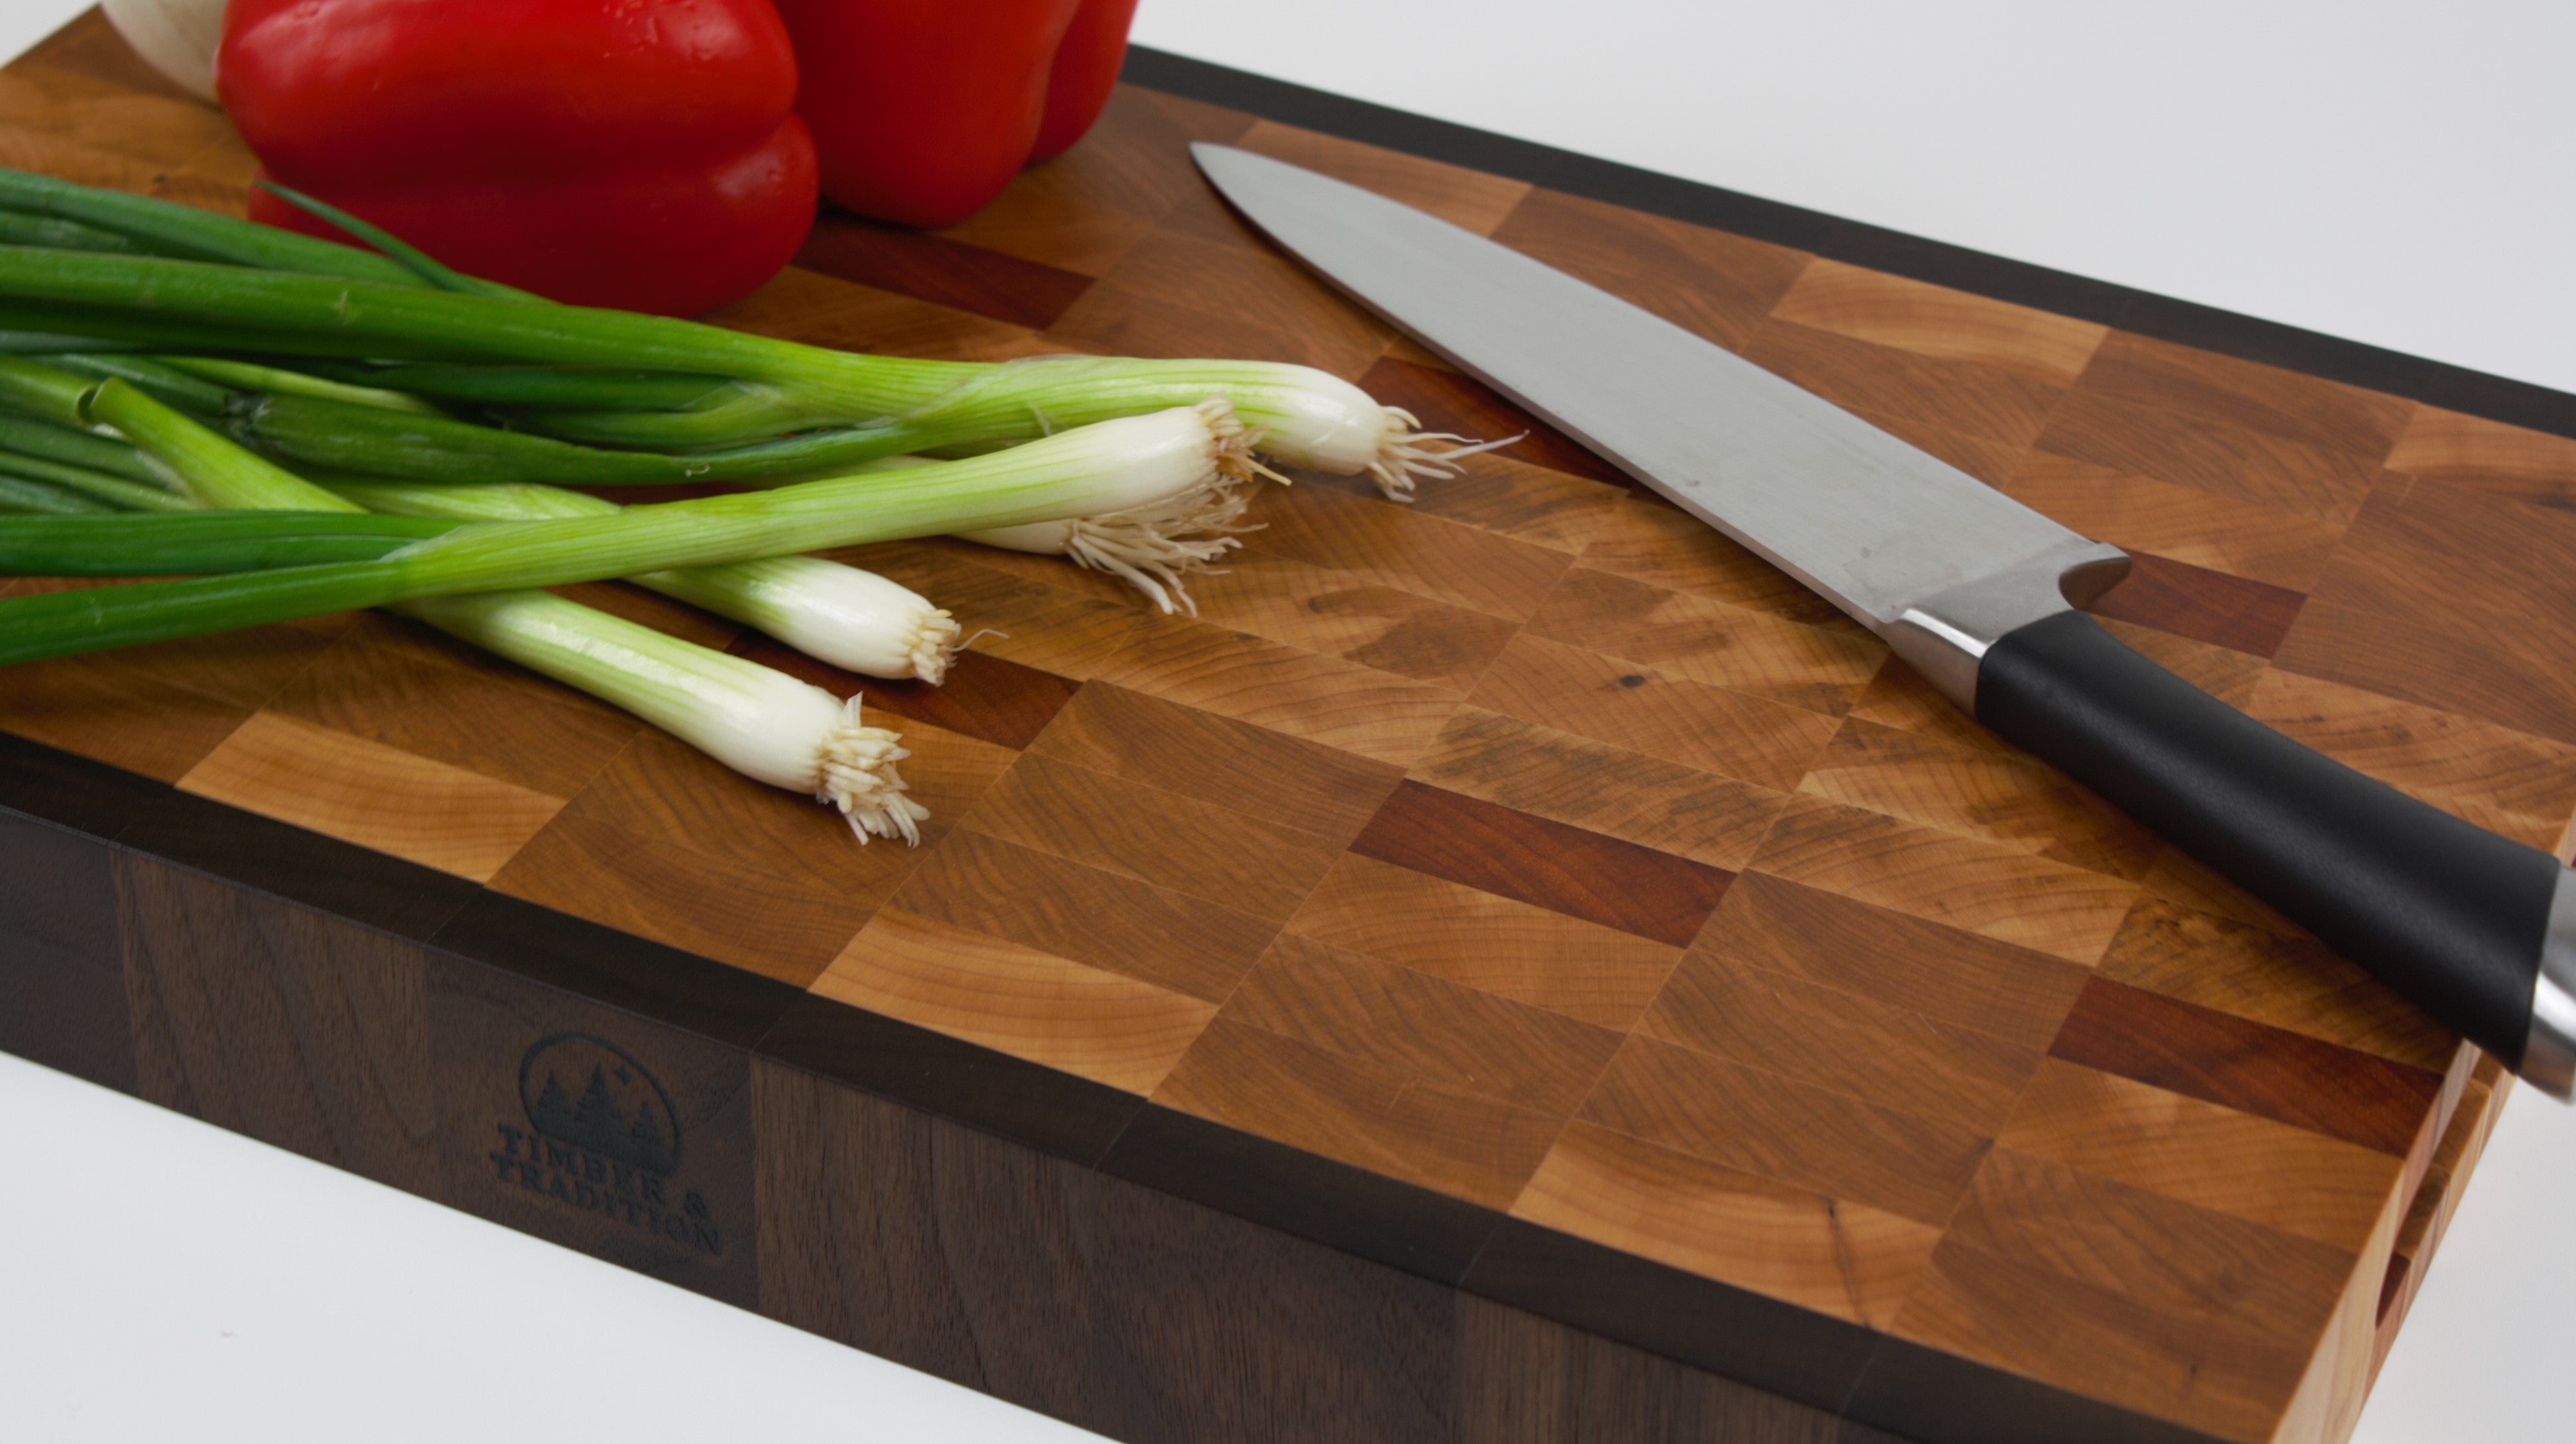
column 1977, row 592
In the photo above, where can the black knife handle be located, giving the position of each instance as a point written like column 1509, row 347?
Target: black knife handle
column 2448, row 914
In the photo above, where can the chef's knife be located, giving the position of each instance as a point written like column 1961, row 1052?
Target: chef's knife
column 1979, row 593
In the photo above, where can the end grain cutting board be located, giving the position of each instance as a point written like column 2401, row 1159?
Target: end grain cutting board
column 1514, row 968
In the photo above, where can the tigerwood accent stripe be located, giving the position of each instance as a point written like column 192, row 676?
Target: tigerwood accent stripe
column 1548, row 864
column 2248, row 1066
column 942, row 272
column 2206, row 606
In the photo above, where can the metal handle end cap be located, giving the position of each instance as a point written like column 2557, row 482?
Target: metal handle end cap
column 2549, row 1052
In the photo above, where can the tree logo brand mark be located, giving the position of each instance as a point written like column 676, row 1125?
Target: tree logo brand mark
column 601, row 1137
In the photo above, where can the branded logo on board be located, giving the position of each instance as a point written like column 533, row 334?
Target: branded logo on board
column 602, row 1137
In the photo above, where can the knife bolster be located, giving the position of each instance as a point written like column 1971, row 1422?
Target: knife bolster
column 1946, row 636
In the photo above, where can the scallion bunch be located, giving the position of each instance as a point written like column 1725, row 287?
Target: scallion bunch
column 292, row 426
column 755, row 719
column 705, row 402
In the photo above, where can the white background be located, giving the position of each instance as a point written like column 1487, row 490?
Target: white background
column 2395, row 173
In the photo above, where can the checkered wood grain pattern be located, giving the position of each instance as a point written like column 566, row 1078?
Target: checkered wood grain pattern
column 1534, row 844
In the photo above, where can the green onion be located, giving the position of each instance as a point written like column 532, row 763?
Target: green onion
column 182, row 389
column 184, row 230
column 75, row 448
column 204, row 466
column 373, row 315
column 542, row 386
column 757, row 720
column 421, row 268
column 1150, row 548
column 337, row 435
column 1114, row 466
column 247, row 376
column 68, row 398
column 17, row 228
column 634, row 383
column 115, row 491
column 122, row 544
column 1303, row 416
column 49, row 326
column 52, row 502
column 856, row 620
column 15, row 342
column 366, row 440
column 43, row 391
column 736, row 413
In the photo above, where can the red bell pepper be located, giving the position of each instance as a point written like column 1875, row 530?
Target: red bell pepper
column 923, row 110
column 1085, row 71
column 631, row 153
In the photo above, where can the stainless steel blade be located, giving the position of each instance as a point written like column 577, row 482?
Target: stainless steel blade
column 1870, row 522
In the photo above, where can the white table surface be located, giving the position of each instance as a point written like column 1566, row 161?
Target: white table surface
column 2394, row 173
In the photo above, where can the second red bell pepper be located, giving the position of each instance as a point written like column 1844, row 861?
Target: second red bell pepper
column 1085, row 71
column 631, row 153
column 922, row 110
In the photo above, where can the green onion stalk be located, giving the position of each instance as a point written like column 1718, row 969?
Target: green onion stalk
column 164, row 382
column 112, row 543
column 1151, row 548
column 243, row 376
column 20, row 497
column 550, row 387
column 73, row 446
column 846, row 617
column 757, row 720
column 853, row 619
column 341, row 436
column 819, row 607
column 851, row 407
column 761, row 722
column 18, row 228
column 1119, row 465
column 856, row 620
column 92, row 219
column 116, row 492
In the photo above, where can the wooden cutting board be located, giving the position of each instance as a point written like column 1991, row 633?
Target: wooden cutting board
column 1511, row 968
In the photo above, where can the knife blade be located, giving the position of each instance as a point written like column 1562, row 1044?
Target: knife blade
column 1978, row 592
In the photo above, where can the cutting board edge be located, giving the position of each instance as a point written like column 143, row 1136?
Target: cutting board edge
column 321, row 1009
column 1919, row 258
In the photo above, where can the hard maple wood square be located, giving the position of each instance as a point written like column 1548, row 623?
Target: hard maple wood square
column 1534, row 845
